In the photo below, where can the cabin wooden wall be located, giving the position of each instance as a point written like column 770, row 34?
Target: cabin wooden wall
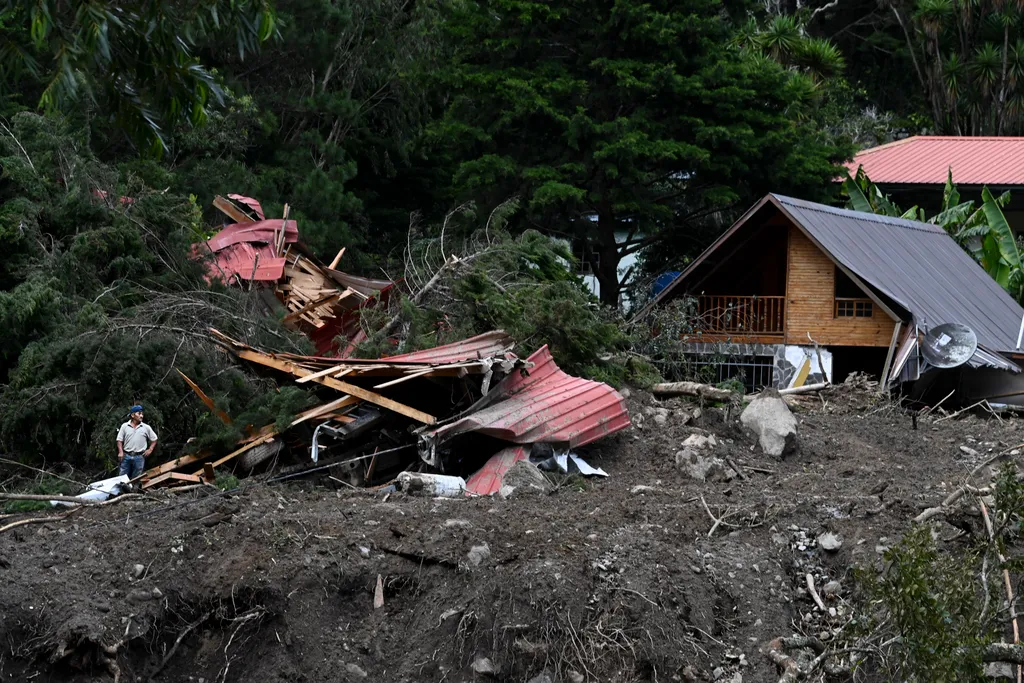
column 810, row 302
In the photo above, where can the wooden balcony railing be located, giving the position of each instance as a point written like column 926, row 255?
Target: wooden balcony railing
column 743, row 315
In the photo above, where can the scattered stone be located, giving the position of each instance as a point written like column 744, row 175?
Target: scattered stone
column 699, row 467
column 140, row 596
column 526, row 478
column 625, row 392
column 49, row 562
column 689, row 674
column 831, row 588
column 506, row 491
column 484, row 666
column 830, row 541
column 356, row 670
column 157, row 593
column 479, row 554
column 543, row 677
column 575, row 676
column 103, row 607
column 770, row 419
column 139, row 570
column 641, row 488
column 700, row 441
column 452, row 523
column 736, row 678
column 660, row 420
column 364, row 551
column 718, row 673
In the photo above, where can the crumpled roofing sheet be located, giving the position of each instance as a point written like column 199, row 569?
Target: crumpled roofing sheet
column 542, row 404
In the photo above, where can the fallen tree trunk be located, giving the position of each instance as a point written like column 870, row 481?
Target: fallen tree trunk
column 802, row 390
column 696, row 389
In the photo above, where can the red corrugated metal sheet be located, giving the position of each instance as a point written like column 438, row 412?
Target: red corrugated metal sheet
column 250, row 202
column 546, row 405
column 925, row 160
column 487, row 479
column 486, row 345
column 260, row 232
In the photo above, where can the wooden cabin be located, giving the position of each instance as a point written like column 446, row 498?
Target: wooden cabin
column 796, row 292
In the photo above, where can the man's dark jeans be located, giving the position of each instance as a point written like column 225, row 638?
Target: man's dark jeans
column 133, row 464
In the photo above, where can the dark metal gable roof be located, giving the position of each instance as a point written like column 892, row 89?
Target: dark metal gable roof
column 917, row 265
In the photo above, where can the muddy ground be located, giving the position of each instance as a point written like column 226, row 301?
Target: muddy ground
column 604, row 580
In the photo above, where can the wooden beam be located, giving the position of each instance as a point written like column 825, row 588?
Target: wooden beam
column 170, row 477
column 324, row 409
column 172, row 465
column 205, row 399
column 338, row 385
column 228, row 208
column 336, row 371
column 888, row 357
column 337, row 259
column 330, row 299
column 208, row 473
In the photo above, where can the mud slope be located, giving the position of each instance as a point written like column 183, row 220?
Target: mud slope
column 611, row 580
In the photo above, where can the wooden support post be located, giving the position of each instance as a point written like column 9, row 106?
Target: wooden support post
column 888, row 357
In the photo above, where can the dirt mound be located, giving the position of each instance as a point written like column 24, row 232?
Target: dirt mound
column 608, row 579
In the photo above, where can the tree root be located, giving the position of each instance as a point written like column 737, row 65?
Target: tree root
column 791, row 670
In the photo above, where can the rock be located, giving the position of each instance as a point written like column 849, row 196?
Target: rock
column 526, row 477
column 624, row 392
column 699, row 467
column 575, row 676
column 157, row 593
column 484, row 666
column 140, row 596
column 736, row 678
column 479, row 554
column 641, row 488
column 700, row 441
column 1000, row 670
column 103, row 607
column 364, row 551
column 139, row 570
column 660, row 420
column 356, row 670
column 769, row 418
column 453, row 523
column 505, row 492
column 4, row 562
column 831, row 588
column 542, row 677
column 830, row 541
column 718, row 673
column 689, row 674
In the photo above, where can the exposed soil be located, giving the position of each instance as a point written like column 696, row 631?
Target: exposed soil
column 602, row 580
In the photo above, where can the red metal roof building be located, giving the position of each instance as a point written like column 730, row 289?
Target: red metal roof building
column 926, row 160
column 913, row 171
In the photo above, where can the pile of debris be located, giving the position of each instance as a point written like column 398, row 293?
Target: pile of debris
column 469, row 409
column 320, row 301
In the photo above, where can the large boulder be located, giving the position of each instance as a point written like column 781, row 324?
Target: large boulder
column 769, row 418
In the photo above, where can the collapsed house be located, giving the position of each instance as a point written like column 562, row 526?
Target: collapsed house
column 320, row 301
column 468, row 409
column 796, row 293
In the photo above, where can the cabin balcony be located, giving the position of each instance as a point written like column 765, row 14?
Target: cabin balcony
column 760, row 317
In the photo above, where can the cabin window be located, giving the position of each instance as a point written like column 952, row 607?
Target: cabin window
column 850, row 299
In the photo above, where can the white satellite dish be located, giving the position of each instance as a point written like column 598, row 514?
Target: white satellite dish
column 949, row 345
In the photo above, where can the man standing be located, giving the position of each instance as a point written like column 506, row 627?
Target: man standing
column 135, row 440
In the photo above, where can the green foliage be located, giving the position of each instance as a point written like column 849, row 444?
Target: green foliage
column 102, row 302
column 615, row 119
column 226, row 482
column 983, row 232
column 136, row 60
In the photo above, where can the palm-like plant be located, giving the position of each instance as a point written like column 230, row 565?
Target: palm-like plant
column 820, row 58
column 781, row 38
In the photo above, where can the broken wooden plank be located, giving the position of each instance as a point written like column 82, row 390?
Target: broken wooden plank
column 171, row 476
column 337, row 259
column 324, row 301
column 172, row 465
column 205, row 399
column 228, row 208
column 208, row 473
column 325, row 409
column 338, row 385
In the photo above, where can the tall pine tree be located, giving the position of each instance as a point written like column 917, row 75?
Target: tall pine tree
column 621, row 121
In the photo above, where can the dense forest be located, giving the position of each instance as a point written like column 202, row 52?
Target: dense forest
column 622, row 127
